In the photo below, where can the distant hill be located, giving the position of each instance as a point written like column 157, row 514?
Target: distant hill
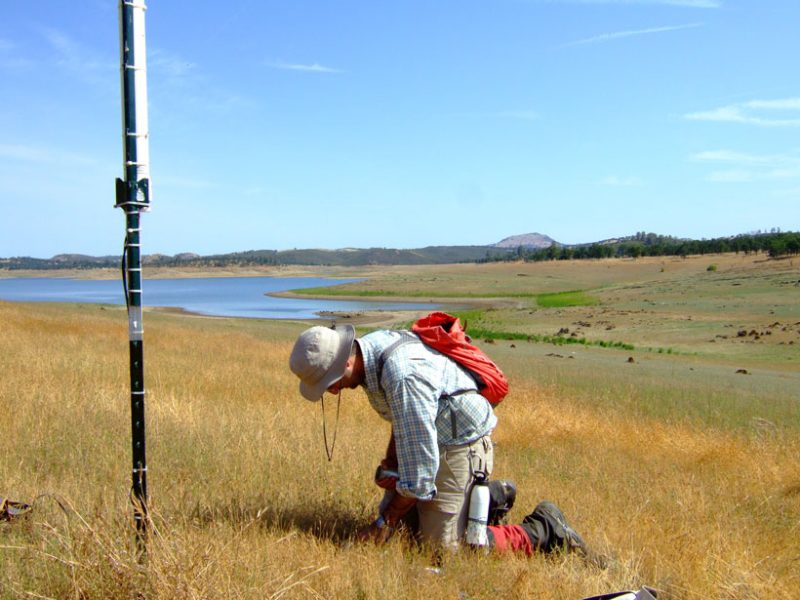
column 83, row 258
column 526, row 240
column 356, row 256
column 528, row 246
column 309, row 257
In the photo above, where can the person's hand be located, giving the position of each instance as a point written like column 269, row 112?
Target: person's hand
column 397, row 509
column 386, row 476
column 377, row 533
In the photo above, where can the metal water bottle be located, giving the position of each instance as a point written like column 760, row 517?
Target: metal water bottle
column 478, row 515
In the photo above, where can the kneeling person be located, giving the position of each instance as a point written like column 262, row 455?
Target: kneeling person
column 441, row 428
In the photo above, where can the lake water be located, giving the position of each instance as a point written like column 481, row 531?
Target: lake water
column 215, row 296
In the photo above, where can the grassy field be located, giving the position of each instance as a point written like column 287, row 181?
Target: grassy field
column 664, row 457
column 667, row 305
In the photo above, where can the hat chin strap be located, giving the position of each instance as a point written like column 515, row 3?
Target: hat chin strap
column 329, row 451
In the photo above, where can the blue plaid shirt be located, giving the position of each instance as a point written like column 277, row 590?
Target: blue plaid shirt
column 431, row 402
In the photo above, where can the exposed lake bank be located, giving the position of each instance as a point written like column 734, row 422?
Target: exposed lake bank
column 259, row 297
column 373, row 317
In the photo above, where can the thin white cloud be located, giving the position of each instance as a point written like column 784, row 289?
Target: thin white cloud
column 43, row 155
column 11, row 58
column 616, row 35
column 16, row 63
column 76, row 57
column 312, row 68
column 787, row 193
column 740, row 167
column 169, row 65
column 690, row 3
column 732, row 176
column 686, row 3
column 696, row 3
column 183, row 82
column 784, row 104
column 522, row 115
column 616, row 181
column 255, row 191
column 754, row 112
column 184, row 183
column 22, row 153
column 731, row 156
column 518, row 114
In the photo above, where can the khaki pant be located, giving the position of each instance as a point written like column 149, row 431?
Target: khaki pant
column 443, row 520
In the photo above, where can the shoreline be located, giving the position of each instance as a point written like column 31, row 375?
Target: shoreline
column 398, row 315
column 369, row 318
column 457, row 301
column 356, row 318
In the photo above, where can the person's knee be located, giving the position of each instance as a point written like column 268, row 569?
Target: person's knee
column 438, row 528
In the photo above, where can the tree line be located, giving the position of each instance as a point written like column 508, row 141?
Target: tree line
column 776, row 244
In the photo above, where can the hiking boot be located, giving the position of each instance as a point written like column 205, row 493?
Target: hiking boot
column 550, row 531
column 561, row 533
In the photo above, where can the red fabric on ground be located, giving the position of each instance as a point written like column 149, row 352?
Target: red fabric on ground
column 511, row 538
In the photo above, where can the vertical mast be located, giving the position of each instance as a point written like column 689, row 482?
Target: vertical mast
column 133, row 196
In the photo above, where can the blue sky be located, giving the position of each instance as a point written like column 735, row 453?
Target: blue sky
column 299, row 124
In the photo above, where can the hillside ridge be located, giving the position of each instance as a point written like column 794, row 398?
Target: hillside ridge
column 527, row 246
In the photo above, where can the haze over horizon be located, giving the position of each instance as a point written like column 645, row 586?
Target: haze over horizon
column 308, row 125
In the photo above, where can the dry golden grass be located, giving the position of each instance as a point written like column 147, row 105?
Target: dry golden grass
column 644, row 459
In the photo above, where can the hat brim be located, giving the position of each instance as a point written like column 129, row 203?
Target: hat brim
column 347, row 333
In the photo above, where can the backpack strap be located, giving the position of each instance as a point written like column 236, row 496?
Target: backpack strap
column 407, row 337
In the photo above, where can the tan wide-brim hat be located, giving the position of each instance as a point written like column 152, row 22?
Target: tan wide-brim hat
column 319, row 357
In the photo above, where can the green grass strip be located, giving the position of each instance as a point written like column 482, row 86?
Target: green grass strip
column 559, row 340
column 481, row 333
column 564, row 299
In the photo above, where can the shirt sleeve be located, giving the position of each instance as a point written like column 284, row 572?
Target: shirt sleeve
column 414, row 402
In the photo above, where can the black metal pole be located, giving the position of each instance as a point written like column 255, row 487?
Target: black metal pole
column 135, row 328
column 133, row 195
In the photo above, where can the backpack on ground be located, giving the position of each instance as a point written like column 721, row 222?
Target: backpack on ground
column 444, row 333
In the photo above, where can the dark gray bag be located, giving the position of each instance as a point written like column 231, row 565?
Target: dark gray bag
column 646, row 593
column 12, row 510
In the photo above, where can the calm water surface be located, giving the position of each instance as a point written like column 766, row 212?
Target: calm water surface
column 216, row 296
